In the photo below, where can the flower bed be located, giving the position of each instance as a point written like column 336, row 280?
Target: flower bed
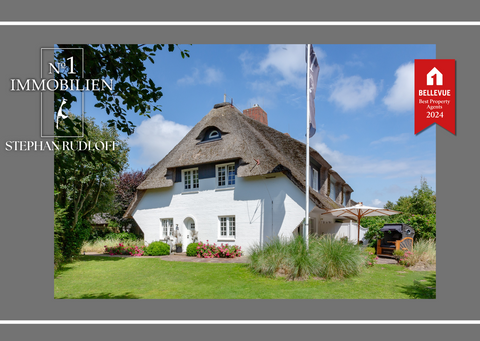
column 406, row 259
column 125, row 250
column 213, row 251
column 370, row 257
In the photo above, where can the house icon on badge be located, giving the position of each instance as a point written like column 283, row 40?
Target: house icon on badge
column 438, row 77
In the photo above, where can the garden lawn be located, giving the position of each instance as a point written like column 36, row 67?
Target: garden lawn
column 99, row 277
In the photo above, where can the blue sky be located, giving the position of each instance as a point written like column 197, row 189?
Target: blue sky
column 364, row 107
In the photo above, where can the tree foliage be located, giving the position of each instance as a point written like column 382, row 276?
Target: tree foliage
column 126, row 184
column 84, row 180
column 125, row 65
column 418, row 211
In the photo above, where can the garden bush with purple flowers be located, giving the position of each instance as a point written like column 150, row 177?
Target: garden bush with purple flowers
column 214, row 251
column 121, row 249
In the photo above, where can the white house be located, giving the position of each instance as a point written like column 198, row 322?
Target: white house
column 234, row 179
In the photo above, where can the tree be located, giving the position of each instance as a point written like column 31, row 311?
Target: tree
column 125, row 188
column 59, row 214
column 125, row 65
column 418, row 210
column 84, row 179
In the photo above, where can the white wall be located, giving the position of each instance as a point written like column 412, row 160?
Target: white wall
column 263, row 208
column 347, row 229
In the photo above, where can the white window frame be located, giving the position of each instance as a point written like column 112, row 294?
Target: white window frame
column 190, row 173
column 314, row 174
column 333, row 183
column 166, row 229
column 230, row 227
column 226, row 166
column 212, row 136
column 312, row 222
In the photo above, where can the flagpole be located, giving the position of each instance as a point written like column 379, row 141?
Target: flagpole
column 307, row 171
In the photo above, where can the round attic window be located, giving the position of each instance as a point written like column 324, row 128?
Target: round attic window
column 214, row 134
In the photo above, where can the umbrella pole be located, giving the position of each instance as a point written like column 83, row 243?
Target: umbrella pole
column 358, row 236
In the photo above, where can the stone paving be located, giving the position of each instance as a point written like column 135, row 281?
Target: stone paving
column 386, row 260
column 180, row 257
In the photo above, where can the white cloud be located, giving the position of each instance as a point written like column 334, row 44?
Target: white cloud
column 288, row 61
column 207, row 76
column 377, row 203
column 338, row 138
column 353, row 92
column 400, row 97
column 368, row 166
column 156, row 137
column 392, row 139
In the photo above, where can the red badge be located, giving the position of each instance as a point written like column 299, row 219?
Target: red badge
column 434, row 93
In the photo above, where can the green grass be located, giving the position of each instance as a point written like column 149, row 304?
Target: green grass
column 111, row 277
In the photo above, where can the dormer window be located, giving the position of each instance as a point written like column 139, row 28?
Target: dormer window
column 212, row 134
column 314, row 178
column 333, row 189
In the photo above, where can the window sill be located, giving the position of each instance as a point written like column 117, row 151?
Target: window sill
column 224, row 189
column 225, row 240
column 191, row 192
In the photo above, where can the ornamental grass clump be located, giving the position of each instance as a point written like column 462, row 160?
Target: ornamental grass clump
column 424, row 252
column 282, row 257
column 326, row 257
column 337, row 259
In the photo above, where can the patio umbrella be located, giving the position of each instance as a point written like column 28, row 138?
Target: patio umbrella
column 359, row 211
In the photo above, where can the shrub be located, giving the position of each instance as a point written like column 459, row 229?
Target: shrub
column 59, row 215
column 73, row 238
column 157, row 249
column 370, row 256
column 398, row 254
column 121, row 249
column 192, row 249
column 213, row 251
column 406, row 259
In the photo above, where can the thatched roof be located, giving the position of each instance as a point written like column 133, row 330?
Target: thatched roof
column 243, row 139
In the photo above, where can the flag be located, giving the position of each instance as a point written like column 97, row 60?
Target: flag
column 313, row 70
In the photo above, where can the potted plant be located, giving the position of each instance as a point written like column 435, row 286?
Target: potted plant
column 178, row 244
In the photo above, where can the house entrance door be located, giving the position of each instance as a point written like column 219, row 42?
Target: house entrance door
column 189, row 231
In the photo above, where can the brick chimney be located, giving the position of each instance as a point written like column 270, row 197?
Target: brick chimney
column 257, row 114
